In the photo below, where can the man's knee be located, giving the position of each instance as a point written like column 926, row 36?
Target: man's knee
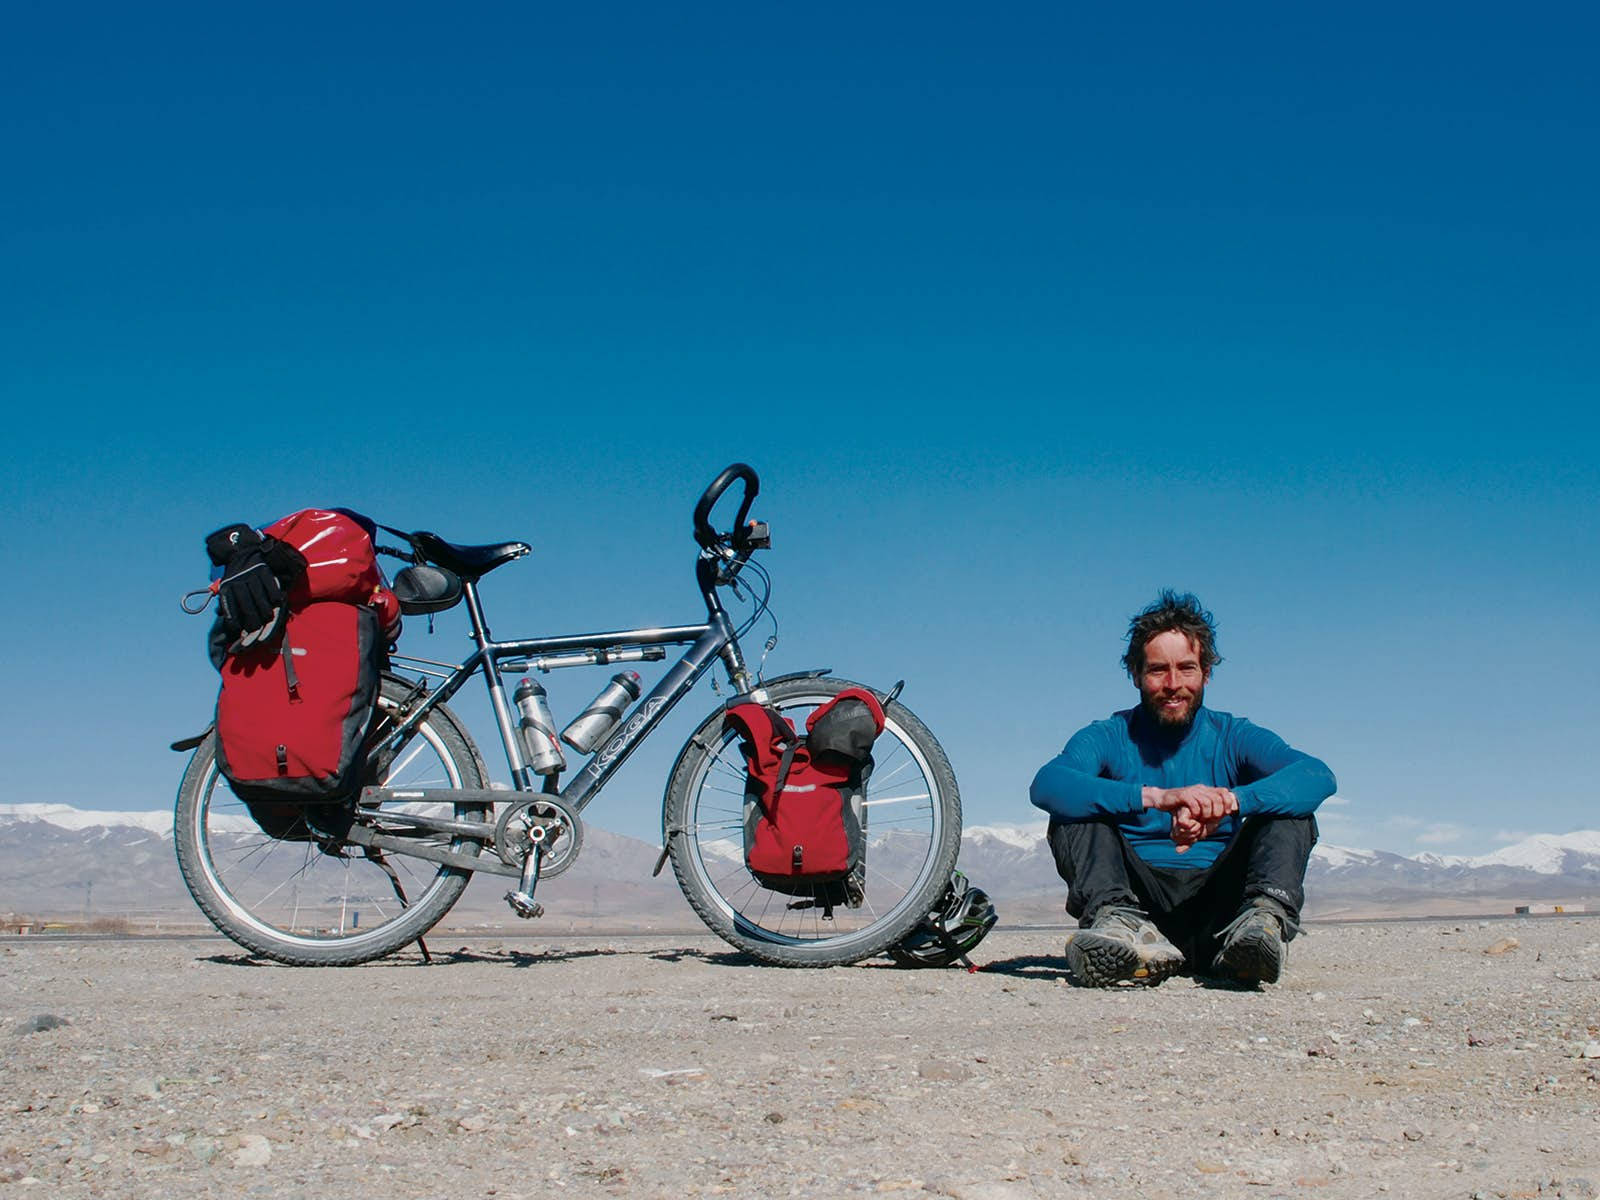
column 1093, row 859
column 1289, row 836
column 1075, row 845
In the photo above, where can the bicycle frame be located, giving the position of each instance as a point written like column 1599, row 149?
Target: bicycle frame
column 707, row 642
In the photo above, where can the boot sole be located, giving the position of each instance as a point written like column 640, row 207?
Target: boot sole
column 1252, row 959
column 1104, row 962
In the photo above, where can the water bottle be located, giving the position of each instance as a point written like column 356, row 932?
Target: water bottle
column 603, row 713
column 538, row 730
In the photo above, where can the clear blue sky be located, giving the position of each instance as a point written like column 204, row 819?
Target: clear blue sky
column 1022, row 313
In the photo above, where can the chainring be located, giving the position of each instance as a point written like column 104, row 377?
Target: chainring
column 548, row 821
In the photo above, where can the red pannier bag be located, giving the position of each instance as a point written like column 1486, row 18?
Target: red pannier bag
column 805, row 794
column 293, row 716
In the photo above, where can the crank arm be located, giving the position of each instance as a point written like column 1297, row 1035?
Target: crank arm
column 522, row 901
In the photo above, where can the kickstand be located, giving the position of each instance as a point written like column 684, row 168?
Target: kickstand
column 376, row 855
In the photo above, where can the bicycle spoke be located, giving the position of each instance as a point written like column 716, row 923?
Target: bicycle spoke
column 397, row 768
column 896, row 799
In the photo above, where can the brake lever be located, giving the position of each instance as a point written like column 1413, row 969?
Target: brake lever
column 728, row 571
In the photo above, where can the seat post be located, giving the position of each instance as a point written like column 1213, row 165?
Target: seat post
column 480, row 626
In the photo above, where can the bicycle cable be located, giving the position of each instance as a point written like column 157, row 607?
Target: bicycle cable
column 772, row 641
column 759, row 603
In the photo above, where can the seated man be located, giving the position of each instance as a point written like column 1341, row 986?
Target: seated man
column 1182, row 833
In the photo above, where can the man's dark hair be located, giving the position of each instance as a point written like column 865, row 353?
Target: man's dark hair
column 1172, row 611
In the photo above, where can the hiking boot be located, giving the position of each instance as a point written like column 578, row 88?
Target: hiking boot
column 1252, row 943
column 1121, row 943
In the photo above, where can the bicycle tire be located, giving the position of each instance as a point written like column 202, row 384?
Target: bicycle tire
column 911, row 849
column 288, row 898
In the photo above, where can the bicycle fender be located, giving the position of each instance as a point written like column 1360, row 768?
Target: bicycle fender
column 887, row 700
column 189, row 743
column 813, row 674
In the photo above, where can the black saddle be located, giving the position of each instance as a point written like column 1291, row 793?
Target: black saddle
column 469, row 562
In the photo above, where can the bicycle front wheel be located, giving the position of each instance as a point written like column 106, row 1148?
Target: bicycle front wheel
column 310, row 900
column 911, row 819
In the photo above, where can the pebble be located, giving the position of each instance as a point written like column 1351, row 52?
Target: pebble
column 254, row 1151
column 39, row 1024
column 674, row 1075
column 991, row 1191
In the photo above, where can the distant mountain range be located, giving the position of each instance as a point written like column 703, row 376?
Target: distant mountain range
column 57, row 860
column 1545, row 868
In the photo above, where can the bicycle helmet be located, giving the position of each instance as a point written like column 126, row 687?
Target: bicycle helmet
column 961, row 919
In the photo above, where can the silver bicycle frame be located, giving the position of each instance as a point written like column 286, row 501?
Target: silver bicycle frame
column 708, row 642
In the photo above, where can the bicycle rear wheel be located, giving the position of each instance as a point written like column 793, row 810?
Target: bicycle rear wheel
column 912, row 822
column 311, row 900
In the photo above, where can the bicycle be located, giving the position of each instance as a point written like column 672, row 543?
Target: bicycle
column 428, row 812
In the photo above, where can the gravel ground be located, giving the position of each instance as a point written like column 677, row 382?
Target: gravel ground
column 1419, row 1059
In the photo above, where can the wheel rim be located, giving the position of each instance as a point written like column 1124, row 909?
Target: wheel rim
column 292, row 893
column 903, row 828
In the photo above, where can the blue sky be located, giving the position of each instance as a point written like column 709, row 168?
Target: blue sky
column 1021, row 314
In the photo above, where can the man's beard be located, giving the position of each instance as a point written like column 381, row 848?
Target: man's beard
column 1171, row 721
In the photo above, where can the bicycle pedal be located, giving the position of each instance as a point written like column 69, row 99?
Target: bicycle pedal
column 524, row 905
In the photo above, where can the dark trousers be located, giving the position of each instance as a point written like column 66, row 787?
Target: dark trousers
column 1267, row 857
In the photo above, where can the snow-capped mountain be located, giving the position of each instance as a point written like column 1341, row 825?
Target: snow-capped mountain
column 1548, row 853
column 64, row 816
column 1542, row 853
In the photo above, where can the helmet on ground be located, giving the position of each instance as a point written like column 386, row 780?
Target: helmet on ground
column 957, row 923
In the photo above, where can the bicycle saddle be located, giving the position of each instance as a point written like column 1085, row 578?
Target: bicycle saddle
column 469, row 562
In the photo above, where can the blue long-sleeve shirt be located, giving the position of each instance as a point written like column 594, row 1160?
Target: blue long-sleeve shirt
column 1105, row 767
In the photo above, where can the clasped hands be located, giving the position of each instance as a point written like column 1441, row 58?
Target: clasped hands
column 1196, row 810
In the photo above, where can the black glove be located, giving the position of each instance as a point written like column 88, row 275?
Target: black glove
column 256, row 571
column 221, row 544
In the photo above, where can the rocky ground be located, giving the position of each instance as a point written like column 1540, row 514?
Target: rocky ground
column 1433, row 1058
